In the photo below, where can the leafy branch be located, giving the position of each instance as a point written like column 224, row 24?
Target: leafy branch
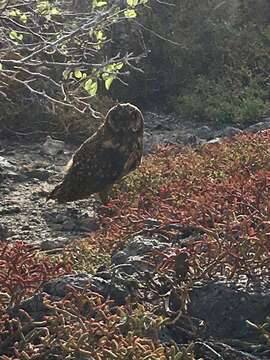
column 58, row 50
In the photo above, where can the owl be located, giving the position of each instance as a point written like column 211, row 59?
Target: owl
column 103, row 159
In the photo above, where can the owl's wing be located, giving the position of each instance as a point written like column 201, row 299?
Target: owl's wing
column 135, row 157
column 132, row 162
column 84, row 152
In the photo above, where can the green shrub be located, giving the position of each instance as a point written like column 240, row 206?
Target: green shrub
column 219, row 102
column 219, row 71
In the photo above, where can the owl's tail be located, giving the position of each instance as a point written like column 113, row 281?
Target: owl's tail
column 67, row 191
column 58, row 194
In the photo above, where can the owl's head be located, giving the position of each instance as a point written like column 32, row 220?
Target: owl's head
column 125, row 117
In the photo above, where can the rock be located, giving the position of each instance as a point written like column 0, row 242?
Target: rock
column 34, row 306
column 52, row 146
column 192, row 139
column 152, row 223
column 60, row 286
column 115, row 289
column 25, row 228
column 4, row 233
column 263, row 125
column 217, row 140
column 40, row 174
column 266, row 119
column 87, row 224
column 205, row 132
column 233, row 306
column 158, row 122
column 7, row 170
column 9, row 209
column 138, row 246
column 230, row 131
column 54, row 244
column 148, row 141
column 68, row 225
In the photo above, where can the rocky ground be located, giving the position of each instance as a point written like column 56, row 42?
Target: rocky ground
column 28, row 171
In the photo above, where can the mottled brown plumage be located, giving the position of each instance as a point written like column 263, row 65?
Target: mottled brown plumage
column 103, row 159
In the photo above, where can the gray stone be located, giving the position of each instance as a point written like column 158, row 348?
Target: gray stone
column 61, row 286
column 138, row 246
column 234, row 306
column 52, row 146
column 53, row 244
column 10, row 209
column 205, row 132
column 193, row 140
column 88, row 224
column 215, row 141
column 68, row 225
column 231, row 131
column 4, row 233
column 40, row 174
column 263, row 125
column 7, row 170
column 266, row 119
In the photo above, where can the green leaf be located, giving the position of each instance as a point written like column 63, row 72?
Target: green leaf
column 108, row 82
column 23, row 18
column 91, row 87
column 100, row 35
column 65, row 74
column 78, row 74
column 1, row 66
column 87, row 84
column 100, row 3
column 54, row 11
column 130, row 13
column 118, row 66
column 132, row 3
column 14, row 13
column 15, row 36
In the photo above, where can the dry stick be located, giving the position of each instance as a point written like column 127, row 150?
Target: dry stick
column 28, row 29
column 70, row 35
column 4, row 6
column 43, row 94
column 165, row 3
column 156, row 34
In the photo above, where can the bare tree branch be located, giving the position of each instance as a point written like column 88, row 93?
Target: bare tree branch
column 52, row 49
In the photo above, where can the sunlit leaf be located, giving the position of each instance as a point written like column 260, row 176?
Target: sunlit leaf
column 99, row 3
column 54, row 11
column 108, row 82
column 91, row 87
column 23, row 18
column 14, row 13
column 132, row 3
column 65, row 74
column 100, row 35
column 78, row 74
column 119, row 65
column 130, row 13
column 15, row 36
